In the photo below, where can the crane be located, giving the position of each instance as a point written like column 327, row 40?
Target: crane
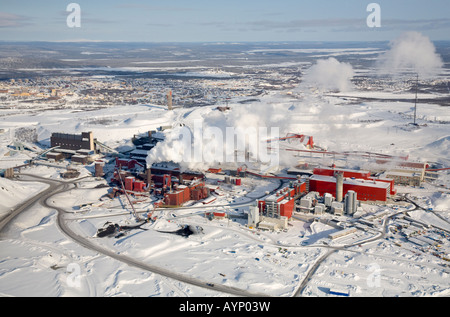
column 301, row 137
column 128, row 197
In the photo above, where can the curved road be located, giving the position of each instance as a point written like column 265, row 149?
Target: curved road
column 58, row 187
column 53, row 186
column 332, row 250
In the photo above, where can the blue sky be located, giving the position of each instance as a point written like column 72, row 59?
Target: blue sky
column 217, row 21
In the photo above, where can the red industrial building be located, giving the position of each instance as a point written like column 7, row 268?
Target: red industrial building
column 165, row 178
column 327, row 171
column 162, row 181
column 391, row 163
column 127, row 163
column 173, row 169
column 355, row 174
column 366, row 190
column 183, row 193
column 139, row 186
column 283, row 201
column 393, row 191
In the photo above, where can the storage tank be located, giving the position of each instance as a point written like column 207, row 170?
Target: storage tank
column 350, row 202
column 129, row 181
column 99, row 169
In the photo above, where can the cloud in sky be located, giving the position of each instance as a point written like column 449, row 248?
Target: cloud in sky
column 147, row 7
column 233, row 20
column 330, row 74
column 343, row 24
column 11, row 20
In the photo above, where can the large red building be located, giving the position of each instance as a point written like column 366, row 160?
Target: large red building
column 326, row 171
column 196, row 190
column 355, row 174
column 366, row 190
column 283, row 201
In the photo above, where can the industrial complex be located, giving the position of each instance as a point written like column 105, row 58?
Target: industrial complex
column 310, row 190
column 133, row 167
column 319, row 202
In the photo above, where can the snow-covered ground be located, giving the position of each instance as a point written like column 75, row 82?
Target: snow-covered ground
column 12, row 193
column 227, row 253
column 37, row 259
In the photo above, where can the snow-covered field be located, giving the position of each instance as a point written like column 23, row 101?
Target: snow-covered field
column 38, row 259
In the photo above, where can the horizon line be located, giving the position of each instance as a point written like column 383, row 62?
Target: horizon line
column 201, row 42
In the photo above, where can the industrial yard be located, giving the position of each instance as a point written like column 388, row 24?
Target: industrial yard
column 105, row 204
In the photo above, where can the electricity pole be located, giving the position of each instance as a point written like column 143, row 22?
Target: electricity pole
column 415, row 103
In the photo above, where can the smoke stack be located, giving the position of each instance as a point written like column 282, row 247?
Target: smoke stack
column 99, row 169
column 169, row 100
column 339, row 185
column 149, row 178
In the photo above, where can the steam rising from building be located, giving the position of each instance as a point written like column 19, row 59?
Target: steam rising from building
column 330, row 74
column 411, row 52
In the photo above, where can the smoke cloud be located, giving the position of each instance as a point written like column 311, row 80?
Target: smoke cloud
column 330, row 74
column 210, row 137
column 411, row 52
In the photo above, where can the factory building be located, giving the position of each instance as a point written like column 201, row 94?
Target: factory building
column 181, row 194
column 174, row 170
column 328, row 199
column 406, row 176
column 140, row 153
column 83, row 141
column 55, row 156
column 319, row 209
column 253, row 216
column 405, row 173
column 282, row 203
column 366, row 190
column 357, row 174
column 342, row 233
column 337, row 208
column 79, row 158
column 326, row 171
column 268, row 223
column 389, row 180
column 306, row 204
column 163, row 179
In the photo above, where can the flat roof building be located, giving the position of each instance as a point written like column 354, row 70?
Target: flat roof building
column 83, row 141
column 366, row 190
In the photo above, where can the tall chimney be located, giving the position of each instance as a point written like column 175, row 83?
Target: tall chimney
column 169, row 100
column 149, row 178
column 339, row 185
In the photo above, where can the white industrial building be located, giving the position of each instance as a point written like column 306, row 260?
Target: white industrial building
column 253, row 216
column 328, row 199
column 342, row 233
column 319, row 209
column 337, row 208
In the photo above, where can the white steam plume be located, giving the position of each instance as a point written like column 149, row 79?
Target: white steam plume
column 330, row 74
column 411, row 52
column 203, row 142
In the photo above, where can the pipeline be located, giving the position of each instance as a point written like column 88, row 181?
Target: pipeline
column 271, row 176
column 438, row 169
